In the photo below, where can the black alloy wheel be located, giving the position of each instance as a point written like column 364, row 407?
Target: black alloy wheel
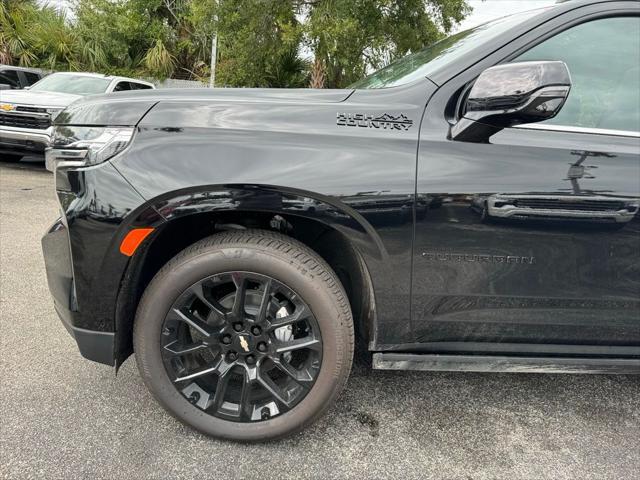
column 245, row 336
column 241, row 346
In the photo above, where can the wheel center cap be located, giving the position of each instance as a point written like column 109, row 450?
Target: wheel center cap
column 244, row 343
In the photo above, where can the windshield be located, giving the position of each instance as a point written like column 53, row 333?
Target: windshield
column 77, row 84
column 426, row 61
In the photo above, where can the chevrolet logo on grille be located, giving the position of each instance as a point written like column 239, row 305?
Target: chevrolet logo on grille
column 7, row 107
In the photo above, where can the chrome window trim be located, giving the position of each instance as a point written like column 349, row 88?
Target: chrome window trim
column 571, row 129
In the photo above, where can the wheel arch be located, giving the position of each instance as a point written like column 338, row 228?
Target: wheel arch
column 339, row 234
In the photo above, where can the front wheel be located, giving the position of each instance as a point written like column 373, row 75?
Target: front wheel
column 245, row 335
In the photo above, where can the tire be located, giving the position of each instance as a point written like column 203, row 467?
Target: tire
column 6, row 157
column 291, row 267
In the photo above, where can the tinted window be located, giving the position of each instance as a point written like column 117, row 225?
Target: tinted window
column 122, row 86
column 10, row 77
column 139, row 86
column 78, row 84
column 31, row 78
column 602, row 56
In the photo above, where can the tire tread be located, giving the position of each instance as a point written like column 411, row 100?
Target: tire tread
column 300, row 256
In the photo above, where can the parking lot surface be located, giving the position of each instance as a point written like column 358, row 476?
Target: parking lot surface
column 65, row 417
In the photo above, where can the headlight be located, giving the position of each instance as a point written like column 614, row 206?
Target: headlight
column 84, row 146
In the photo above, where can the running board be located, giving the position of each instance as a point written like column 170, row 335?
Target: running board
column 488, row 363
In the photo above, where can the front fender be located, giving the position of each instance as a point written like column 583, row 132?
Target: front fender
column 207, row 200
column 335, row 213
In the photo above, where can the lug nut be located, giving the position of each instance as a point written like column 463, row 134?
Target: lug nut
column 194, row 397
column 168, row 331
column 265, row 413
column 238, row 326
column 226, row 339
column 250, row 360
column 232, row 356
column 262, row 347
column 256, row 330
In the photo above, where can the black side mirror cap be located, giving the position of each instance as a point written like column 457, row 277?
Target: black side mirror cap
column 512, row 94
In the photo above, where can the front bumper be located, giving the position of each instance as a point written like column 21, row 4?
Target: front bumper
column 93, row 345
column 24, row 141
column 85, row 268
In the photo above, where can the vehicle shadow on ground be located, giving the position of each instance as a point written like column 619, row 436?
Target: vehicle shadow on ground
column 419, row 424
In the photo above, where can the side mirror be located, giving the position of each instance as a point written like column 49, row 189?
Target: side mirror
column 512, row 94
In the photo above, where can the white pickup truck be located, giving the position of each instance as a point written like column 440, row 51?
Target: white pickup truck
column 26, row 115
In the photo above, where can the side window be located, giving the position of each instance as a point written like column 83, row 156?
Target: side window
column 602, row 56
column 31, row 78
column 10, row 77
column 139, row 86
column 122, row 86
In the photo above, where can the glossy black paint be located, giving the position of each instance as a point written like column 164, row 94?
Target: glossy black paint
column 106, row 110
column 380, row 168
column 292, row 170
column 550, row 279
column 509, row 95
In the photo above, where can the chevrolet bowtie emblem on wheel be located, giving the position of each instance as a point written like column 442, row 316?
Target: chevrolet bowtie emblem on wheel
column 5, row 107
column 244, row 344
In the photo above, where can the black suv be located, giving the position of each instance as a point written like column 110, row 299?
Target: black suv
column 473, row 206
column 17, row 77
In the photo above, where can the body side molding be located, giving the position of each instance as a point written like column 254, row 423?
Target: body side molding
column 488, row 363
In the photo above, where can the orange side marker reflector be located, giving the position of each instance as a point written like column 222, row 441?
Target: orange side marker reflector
column 133, row 240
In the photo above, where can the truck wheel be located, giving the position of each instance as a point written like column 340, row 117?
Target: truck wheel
column 245, row 336
column 5, row 157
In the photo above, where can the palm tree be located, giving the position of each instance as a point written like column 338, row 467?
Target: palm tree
column 158, row 60
column 16, row 35
column 288, row 71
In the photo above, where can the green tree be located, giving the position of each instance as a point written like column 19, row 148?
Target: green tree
column 131, row 37
column 345, row 38
column 352, row 37
column 258, row 41
column 262, row 43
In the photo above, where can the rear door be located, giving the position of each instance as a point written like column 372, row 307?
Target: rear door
column 531, row 243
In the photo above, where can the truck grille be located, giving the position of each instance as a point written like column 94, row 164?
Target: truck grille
column 574, row 205
column 25, row 108
column 25, row 121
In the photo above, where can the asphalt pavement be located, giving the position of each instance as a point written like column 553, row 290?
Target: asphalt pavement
column 65, row 417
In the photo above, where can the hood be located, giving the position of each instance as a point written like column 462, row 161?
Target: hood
column 126, row 108
column 38, row 98
column 294, row 95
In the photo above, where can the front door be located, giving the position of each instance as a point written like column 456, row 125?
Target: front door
column 531, row 243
